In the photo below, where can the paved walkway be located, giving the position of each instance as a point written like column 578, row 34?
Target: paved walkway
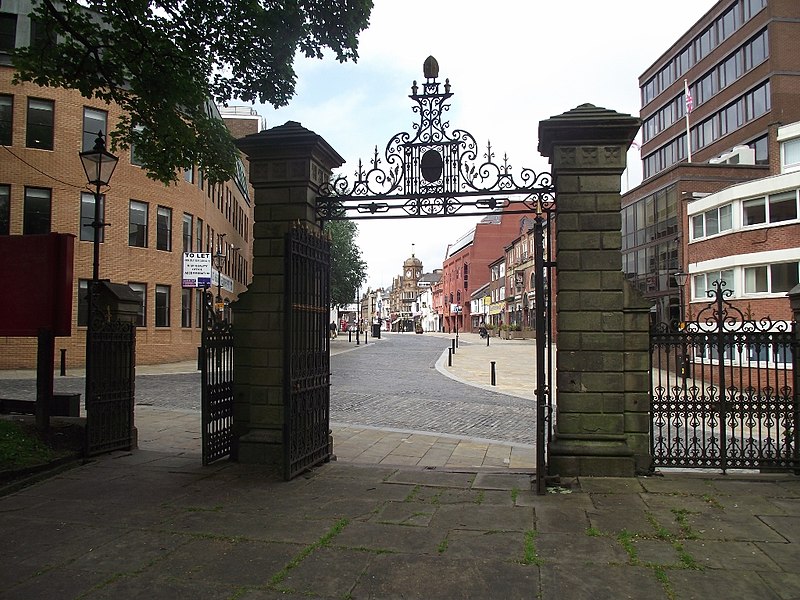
column 154, row 524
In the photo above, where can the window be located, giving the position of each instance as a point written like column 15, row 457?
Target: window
column 199, row 235
column 39, row 133
column 137, row 224
column 140, row 289
column 5, row 209
column 94, row 122
column 198, row 307
column 136, row 159
column 164, row 228
column 187, row 232
column 712, row 222
column 6, row 119
column 790, row 150
column 704, row 282
column 188, row 175
column 781, row 207
column 162, row 306
column 87, row 217
column 8, row 31
column 770, row 279
column 41, row 36
column 36, row 211
column 186, row 307
column 83, row 302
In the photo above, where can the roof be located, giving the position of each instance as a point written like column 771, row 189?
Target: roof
column 481, row 291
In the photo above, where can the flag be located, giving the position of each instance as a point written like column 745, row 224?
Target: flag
column 689, row 101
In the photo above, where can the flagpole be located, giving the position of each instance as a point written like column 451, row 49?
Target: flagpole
column 688, row 98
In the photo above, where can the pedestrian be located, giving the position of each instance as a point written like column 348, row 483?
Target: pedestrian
column 333, row 329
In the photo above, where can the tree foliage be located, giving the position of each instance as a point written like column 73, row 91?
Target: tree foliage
column 348, row 270
column 163, row 61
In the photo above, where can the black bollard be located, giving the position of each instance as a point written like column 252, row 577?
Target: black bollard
column 487, row 338
column 453, row 345
column 358, row 338
column 449, row 357
column 63, row 362
column 365, row 335
column 349, row 336
column 494, row 377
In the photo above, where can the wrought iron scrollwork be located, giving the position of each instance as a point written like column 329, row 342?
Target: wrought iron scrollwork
column 435, row 172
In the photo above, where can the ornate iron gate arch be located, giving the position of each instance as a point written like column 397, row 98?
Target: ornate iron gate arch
column 434, row 172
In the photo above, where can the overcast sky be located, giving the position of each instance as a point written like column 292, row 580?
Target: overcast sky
column 511, row 64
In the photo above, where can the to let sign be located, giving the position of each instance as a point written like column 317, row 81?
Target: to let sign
column 196, row 269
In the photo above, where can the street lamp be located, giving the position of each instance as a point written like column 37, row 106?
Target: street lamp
column 219, row 257
column 680, row 279
column 98, row 164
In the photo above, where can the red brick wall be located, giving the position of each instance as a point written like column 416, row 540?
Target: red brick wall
column 60, row 170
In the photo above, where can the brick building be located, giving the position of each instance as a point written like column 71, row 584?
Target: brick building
column 466, row 267
column 741, row 65
column 43, row 189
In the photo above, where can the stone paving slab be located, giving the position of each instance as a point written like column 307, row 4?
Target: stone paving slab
column 124, row 527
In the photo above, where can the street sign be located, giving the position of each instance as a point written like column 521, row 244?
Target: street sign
column 196, row 270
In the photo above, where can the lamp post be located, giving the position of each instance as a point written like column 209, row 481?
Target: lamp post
column 98, row 164
column 680, row 279
column 219, row 257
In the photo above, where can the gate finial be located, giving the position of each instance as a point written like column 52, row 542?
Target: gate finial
column 430, row 68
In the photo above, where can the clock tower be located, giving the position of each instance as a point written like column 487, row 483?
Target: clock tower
column 406, row 291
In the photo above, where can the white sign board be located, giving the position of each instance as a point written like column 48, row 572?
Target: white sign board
column 196, row 269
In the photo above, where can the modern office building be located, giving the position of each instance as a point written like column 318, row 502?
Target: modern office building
column 43, row 189
column 741, row 66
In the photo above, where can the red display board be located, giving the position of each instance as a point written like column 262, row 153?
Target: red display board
column 37, row 273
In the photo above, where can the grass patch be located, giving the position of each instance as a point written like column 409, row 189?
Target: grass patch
column 412, row 495
column 593, row 532
column 442, row 548
column 708, row 498
column 22, row 446
column 662, row 532
column 216, row 509
column 661, row 575
column 530, row 556
column 681, row 516
column 514, row 495
column 481, row 496
column 626, row 539
column 322, row 542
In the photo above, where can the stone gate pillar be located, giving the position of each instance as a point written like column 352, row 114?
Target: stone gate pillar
column 602, row 358
column 287, row 164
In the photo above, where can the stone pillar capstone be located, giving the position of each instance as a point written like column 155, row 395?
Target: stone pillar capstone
column 602, row 356
column 287, row 165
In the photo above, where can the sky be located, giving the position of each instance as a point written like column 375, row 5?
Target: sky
column 511, row 64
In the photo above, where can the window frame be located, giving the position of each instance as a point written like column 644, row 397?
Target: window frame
column 140, row 289
column 164, row 233
column 6, row 120
column 162, row 309
column 89, row 135
column 86, row 226
column 143, row 228
column 186, row 307
column 26, row 228
column 5, row 209
column 47, row 128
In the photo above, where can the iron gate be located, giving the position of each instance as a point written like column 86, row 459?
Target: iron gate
column 110, row 376
column 216, row 367
column 723, row 393
column 440, row 172
column 306, row 428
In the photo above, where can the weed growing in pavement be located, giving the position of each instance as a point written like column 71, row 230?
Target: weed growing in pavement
column 593, row 532
column 442, row 546
column 514, row 494
column 530, row 556
column 322, row 542
column 683, row 522
column 626, row 539
column 712, row 501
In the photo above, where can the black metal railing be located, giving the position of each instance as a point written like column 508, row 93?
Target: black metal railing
column 216, row 365
column 722, row 391
column 307, row 351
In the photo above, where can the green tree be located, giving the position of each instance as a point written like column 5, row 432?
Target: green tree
column 163, row 61
column 348, row 270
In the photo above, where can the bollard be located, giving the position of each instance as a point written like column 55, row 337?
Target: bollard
column 494, row 378
column 487, row 338
column 453, row 345
column 449, row 357
column 358, row 338
column 365, row 336
column 349, row 336
column 63, row 362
